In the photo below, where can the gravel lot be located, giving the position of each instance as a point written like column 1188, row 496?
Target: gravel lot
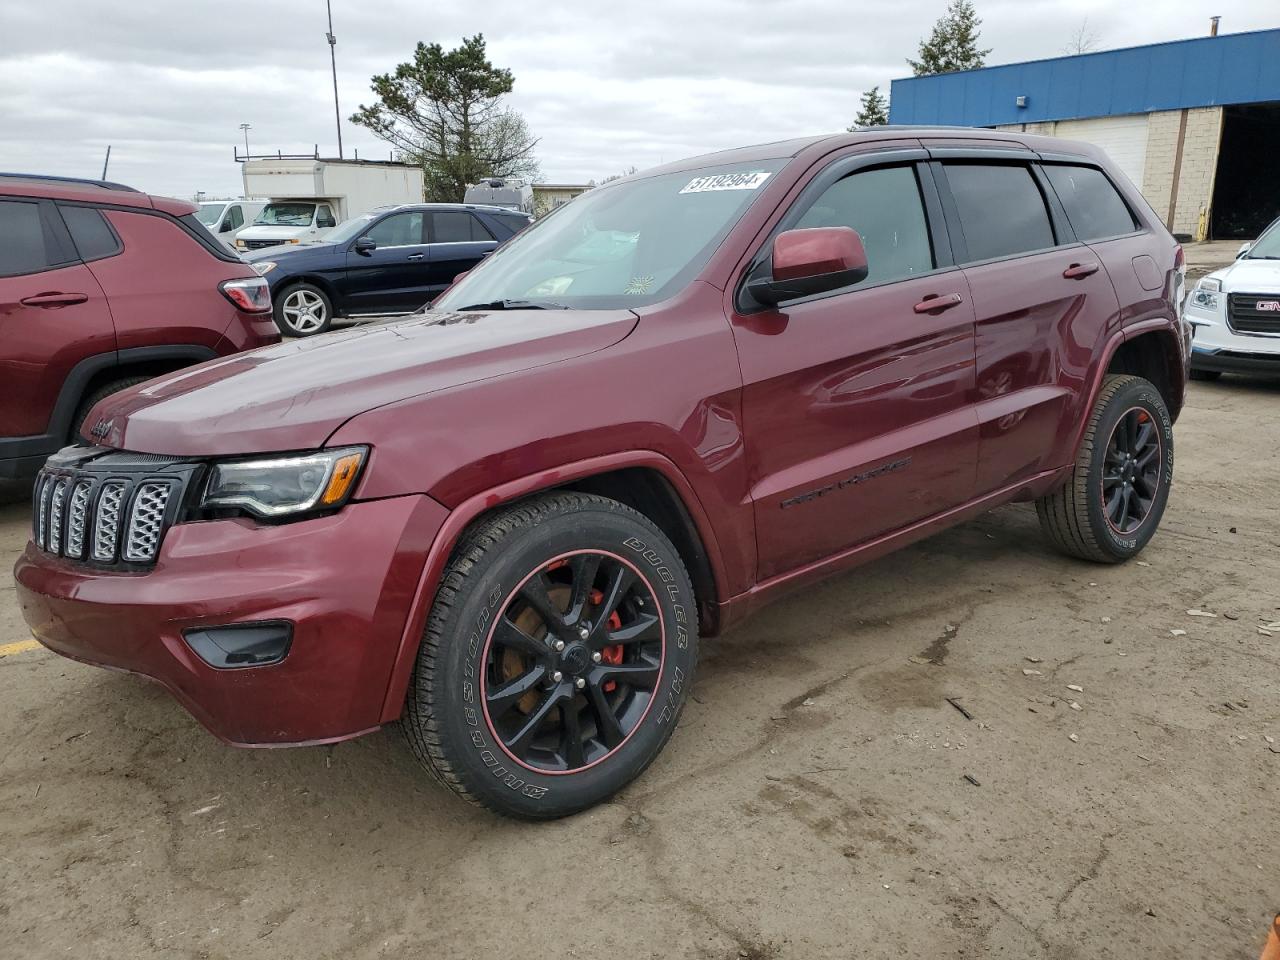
column 813, row 803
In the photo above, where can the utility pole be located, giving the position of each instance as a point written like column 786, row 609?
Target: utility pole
column 1213, row 26
column 105, row 161
column 333, row 62
column 246, row 127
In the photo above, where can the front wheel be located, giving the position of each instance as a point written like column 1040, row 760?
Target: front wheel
column 303, row 310
column 557, row 657
column 1112, row 503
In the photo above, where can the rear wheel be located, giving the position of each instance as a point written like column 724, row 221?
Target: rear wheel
column 556, row 659
column 303, row 310
column 1113, row 501
column 80, row 433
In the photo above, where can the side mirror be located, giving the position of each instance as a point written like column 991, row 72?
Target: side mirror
column 365, row 246
column 809, row 261
column 226, row 225
column 325, row 223
column 1244, row 248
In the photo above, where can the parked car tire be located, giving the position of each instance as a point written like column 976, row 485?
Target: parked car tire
column 1208, row 375
column 303, row 310
column 88, row 403
column 556, row 659
column 1112, row 503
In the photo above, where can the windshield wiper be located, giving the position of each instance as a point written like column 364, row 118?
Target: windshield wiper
column 514, row 305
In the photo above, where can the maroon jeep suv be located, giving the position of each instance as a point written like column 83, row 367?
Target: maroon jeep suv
column 506, row 522
column 102, row 287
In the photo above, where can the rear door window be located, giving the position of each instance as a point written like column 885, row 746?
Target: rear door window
column 1002, row 212
column 885, row 207
column 26, row 245
column 93, row 237
column 1094, row 206
column 456, row 226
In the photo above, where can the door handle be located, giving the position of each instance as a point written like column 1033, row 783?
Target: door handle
column 415, row 256
column 936, row 304
column 1078, row 270
column 54, row 299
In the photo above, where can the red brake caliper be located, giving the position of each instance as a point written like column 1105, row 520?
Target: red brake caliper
column 611, row 655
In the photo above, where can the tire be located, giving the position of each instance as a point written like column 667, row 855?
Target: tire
column 461, row 718
column 89, row 402
column 1075, row 516
column 1208, row 375
column 303, row 310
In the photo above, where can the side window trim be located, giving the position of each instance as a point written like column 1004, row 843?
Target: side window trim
column 66, row 232
column 1057, row 220
column 835, row 171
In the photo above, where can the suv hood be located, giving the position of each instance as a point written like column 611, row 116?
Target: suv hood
column 1250, row 276
column 294, row 395
column 271, row 232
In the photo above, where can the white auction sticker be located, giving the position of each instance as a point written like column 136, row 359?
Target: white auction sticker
column 747, row 180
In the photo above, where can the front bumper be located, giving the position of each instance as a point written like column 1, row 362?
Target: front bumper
column 1233, row 361
column 345, row 582
column 1215, row 346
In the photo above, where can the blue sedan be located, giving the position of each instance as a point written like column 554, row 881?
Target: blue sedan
column 392, row 260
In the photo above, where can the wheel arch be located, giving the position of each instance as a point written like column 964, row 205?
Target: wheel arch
column 1153, row 354
column 643, row 480
column 315, row 280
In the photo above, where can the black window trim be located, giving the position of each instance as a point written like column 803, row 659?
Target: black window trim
column 57, row 240
column 1063, row 160
column 935, row 221
column 1063, row 235
column 119, row 248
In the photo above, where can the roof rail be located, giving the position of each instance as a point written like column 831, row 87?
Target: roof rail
column 86, row 181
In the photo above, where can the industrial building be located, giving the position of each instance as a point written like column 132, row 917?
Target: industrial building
column 1195, row 124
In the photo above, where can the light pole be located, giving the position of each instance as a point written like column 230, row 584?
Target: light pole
column 333, row 63
column 246, row 127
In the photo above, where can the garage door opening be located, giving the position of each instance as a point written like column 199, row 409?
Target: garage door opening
column 1246, row 192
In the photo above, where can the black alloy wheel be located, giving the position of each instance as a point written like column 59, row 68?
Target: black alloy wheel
column 1131, row 471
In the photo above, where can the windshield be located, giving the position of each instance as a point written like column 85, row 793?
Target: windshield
column 210, row 213
column 286, row 215
column 1267, row 246
column 623, row 245
column 350, row 229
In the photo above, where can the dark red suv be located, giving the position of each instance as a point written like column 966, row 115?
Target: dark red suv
column 102, row 287
column 506, row 522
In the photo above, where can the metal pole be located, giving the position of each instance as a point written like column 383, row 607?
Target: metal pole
column 1213, row 26
column 333, row 63
column 105, row 161
column 245, row 127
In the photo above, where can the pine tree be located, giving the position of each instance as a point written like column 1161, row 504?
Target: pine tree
column 953, row 44
column 874, row 112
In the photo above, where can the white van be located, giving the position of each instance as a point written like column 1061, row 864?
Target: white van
column 226, row 218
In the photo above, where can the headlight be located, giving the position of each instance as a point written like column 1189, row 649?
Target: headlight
column 287, row 485
column 1206, row 295
column 242, row 245
column 265, row 267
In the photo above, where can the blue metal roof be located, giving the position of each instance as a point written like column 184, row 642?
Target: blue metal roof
column 1204, row 72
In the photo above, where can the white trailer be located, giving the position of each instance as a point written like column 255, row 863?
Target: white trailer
column 309, row 197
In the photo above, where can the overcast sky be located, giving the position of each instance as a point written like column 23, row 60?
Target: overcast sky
column 604, row 85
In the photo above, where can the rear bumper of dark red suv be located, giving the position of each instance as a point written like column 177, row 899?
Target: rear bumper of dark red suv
column 346, row 616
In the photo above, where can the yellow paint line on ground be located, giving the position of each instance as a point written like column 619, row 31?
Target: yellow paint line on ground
column 19, row 646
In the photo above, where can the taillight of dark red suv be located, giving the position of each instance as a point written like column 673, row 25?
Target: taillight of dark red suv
column 101, row 288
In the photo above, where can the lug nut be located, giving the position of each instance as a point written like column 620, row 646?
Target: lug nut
column 584, row 632
column 557, row 676
column 559, row 645
column 596, row 656
column 579, row 683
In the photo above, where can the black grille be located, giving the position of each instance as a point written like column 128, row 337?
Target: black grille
column 260, row 244
column 108, row 508
column 1254, row 312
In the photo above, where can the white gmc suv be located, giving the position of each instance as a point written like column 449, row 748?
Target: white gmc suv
column 1235, row 313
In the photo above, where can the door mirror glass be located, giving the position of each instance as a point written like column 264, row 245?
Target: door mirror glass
column 811, row 260
column 365, row 246
column 226, row 225
column 324, row 223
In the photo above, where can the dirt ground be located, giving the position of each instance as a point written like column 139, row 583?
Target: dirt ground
column 813, row 803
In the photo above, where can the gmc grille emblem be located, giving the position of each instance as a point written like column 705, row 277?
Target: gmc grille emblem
column 1268, row 306
column 100, row 430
